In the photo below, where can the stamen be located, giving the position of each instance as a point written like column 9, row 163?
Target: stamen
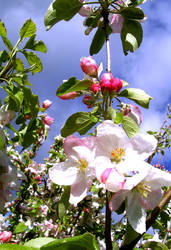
column 117, row 155
column 143, row 189
column 82, row 165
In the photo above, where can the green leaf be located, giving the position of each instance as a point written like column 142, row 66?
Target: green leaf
column 79, row 122
column 137, row 95
column 83, row 242
column 19, row 65
column 15, row 247
column 3, row 56
column 118, row 118
column 92, row 21
column 39, row 242
column 131, row 35
column 31, row 103
column 155, row 245
column 3, row 32
column 33, row 59
column 98, row 41
column 2, row 144
column 130, row 126
column 19, row 228
column 37, row 46
column 111, row 114
column 7, row 43
column 28, row 29
column 14, row 98
column 61, row 10
column 132, row 13
column 72, row 84
column 63, row 204
column 130, row 235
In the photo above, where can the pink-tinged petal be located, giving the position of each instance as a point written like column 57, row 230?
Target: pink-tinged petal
column 70, row 142
column 79, row 191
column 65, row 173
column 152, row 199
column 158, row 178
column 105, row 175
column 143, row 145
column 117, row 200
column 90, row 142
column 135, row 213
column 115, row 181
column 102, row 163
column 116, row 23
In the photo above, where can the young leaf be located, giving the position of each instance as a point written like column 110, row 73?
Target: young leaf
column 3, row 32
column 83, row 242
column 3, row 56
column 16, row 247
column 63, row 204
column 38, row 242
column 131, row 35
column 130, row 126
column 98, row 41
column 31, row 103
column 33, row 59
column 37, row 46
column 72, row 84
column 61, row 10
column 7, row 43
column 28, row 29
column 79, row 122
column 137, row 95
column 132, row 13
column 19, row 65
column 19, row 228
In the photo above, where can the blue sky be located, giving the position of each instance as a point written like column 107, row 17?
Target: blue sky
column 148, row 68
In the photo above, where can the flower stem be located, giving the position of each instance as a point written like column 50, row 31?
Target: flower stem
column 108, row 225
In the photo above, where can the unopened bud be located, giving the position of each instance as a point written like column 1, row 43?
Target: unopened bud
column 89, row 66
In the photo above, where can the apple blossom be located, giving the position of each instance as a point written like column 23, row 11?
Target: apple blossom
column 78, row 170
column 110, row 84
column 6, row 115
column 115, row 154
column 69, row 96
column 85, row 10
column 5, row 236
column 143, row 192
column 46, row 104
column 89, row 66
column 133, row 112
column 48, row 120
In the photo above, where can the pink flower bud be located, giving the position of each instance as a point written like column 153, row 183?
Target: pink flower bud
column 95, row 88
column 5, row 236
column 116, row 23
column 48, row 120
column 46, row 104
column 109, row 83
column 69, row 96
column 133, row 112
column 89, row 66
column 88, row 100
column 85, row 10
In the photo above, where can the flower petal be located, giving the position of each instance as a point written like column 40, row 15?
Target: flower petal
column 144, row 145
column 79, row 191
column 152, row 199
column 117, row 199
column 158, row 178
column 135, row 213
column 110, row 136
column 65, row 173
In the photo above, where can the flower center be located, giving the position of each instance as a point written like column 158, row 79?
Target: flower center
column 143, row 189
column 117, row 155
column 82, row 165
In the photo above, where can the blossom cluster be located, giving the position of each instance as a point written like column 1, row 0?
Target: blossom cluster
column 119, row 165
